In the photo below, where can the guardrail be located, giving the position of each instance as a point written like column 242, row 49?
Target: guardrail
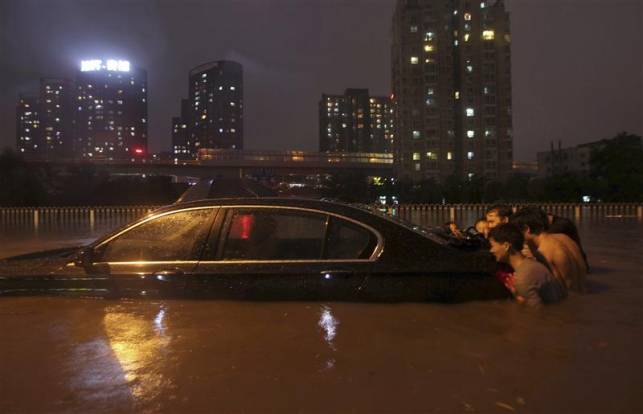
column 36, row 215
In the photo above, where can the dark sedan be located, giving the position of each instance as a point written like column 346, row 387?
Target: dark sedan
column 268, row 248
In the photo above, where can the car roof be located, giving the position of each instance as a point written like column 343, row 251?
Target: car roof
column 333, row 206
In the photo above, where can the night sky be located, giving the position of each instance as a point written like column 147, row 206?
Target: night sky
column 577, row 64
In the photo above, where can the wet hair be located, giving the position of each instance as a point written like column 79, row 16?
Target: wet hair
column 508, row 233
column 503, row 210
column 532, row 217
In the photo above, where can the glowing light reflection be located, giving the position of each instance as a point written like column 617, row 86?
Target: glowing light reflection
column 138, row 346
column 329, row 324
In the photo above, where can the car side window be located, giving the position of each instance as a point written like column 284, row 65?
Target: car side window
column 347, row 240
column 274, row 234
column 171, row 237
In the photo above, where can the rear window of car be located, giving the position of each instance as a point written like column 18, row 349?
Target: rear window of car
column 274, row 234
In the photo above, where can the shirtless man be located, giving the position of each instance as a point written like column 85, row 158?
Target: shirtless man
column 559, row 251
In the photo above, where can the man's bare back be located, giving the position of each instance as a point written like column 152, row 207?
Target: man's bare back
column 565, row 260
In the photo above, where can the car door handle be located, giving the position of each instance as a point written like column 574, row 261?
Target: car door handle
column 333, row 273
column 168, row 275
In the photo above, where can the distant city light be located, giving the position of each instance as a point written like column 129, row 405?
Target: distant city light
column 109, row 64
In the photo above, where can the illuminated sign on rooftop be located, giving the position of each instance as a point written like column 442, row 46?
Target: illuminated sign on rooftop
column 109, row 64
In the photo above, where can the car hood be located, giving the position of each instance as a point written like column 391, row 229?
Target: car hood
column 41, row 263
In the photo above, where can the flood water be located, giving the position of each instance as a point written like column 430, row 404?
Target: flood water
column 78, row 355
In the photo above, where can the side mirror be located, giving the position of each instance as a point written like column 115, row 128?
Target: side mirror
column 86, row 258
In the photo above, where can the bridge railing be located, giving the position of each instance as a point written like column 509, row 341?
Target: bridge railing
column 33, row 216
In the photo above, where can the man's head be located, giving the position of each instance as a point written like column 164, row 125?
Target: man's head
column 498, row 214
column 531, row 221
column 481, row 226
column 505, row 240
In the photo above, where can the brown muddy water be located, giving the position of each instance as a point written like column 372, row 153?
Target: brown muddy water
column 79, row 355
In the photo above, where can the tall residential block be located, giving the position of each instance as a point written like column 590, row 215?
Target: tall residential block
column 451, row 76
column 181, row 146
column 215, row 111
column 111, row 110
column 355, row 122
column 28, row 131
column 57, row 97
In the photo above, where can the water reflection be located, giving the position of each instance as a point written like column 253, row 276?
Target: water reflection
column 328, row 323
column 158, row 321
column 139, row 345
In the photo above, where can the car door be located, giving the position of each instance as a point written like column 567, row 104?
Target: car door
column 156, row 255
column 281, row 252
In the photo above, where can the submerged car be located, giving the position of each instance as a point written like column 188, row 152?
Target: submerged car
column 262, row 248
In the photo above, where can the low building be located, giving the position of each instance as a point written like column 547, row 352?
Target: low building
column 558, row 161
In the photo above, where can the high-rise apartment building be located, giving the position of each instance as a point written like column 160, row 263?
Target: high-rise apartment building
column 56, row 117
column 451, row 73
column 28, row 131
column 111, row 110
column 215, row 115
column 355, row 122
column 181, row 146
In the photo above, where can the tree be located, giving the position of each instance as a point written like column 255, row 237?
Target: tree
column 20, row 185
column 617, row 164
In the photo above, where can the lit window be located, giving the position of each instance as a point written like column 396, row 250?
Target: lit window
column 508, row 38
column 432, row 155
column 482, row 5
column 428, row 48
column 455, row 42
column 470, row 175
column 457, row 94
column 414, row 29
column 232, row 88
column 471, row 133
column 414, row 60
column 232, row 103
column 449, row 155
column 430, row 91
column 416, row 156
column 220, row 88
column 487, row 133
column 429, row 35
column 204, row 75
column 488, row 34
column 467, row 16
column 469, row 155
column 430, row 101
column 470, row 112
column 416, row 134
column 466, row 37
column 469, row 68
column 418, row 167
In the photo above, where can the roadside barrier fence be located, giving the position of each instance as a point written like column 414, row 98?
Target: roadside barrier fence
column 111, row 216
